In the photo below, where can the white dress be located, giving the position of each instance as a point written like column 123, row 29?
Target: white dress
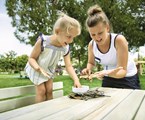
column 48, row 60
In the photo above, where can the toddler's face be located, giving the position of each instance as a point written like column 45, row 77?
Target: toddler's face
column 67, row 37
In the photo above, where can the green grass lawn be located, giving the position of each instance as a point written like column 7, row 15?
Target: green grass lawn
column 68, row 83
column 14, row 80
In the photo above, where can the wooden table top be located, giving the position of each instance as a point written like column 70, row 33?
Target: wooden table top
column 123, row 104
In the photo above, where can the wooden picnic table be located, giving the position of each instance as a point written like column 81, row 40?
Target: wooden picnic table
column 123, row 104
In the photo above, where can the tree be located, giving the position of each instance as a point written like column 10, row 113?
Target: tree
column 126, row 17
column 7, row 61
column 10, row 62
column 30, row 18
column 3, row 67
column 21, row 62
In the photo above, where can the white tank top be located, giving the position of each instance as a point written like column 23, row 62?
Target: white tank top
column 109, row 59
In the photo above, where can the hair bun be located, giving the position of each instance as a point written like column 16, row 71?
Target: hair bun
column 94, row 10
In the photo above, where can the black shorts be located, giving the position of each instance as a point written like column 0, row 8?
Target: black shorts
column 126, row 82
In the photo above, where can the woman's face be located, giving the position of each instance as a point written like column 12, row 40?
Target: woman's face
column 99, row 33
column 65, row 38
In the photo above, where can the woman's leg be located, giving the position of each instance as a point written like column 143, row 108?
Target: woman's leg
column 49, row 89
column 40, row 93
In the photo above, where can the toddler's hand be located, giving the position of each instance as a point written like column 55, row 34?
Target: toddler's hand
column 44, row 73
column 77, row 84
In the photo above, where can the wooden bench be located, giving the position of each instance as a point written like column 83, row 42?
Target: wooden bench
column 140, row 67
column 16, row 97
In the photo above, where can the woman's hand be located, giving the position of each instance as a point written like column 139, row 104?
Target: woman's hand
column 103, row 73
column 86, row 71
column 98, row 75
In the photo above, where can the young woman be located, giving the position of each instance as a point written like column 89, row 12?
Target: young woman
column 47, row 52
column 111, row 51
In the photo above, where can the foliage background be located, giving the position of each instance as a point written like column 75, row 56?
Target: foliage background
column 10, row 63
column 30, row 17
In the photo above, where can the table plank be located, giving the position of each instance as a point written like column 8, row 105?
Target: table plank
column 80, row 111
column 127, row 108
column 39, row 110
column 141, row 112
column 123, row 104
column 110, row 104
column 44, row 109
column 76, row 112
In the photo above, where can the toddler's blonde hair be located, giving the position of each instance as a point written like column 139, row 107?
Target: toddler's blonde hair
column 65, row 23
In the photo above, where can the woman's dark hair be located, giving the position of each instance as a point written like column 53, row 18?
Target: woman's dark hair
column 96, row 15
